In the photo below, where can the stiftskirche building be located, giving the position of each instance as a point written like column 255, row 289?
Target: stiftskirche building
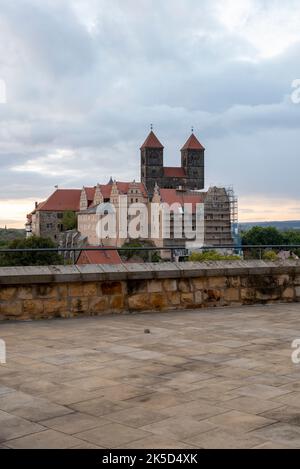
column 188, row 176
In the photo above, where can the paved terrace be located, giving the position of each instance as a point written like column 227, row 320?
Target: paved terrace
column 206, row 379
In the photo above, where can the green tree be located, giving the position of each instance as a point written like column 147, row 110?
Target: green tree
column 69, row 220
column 292, row 237
column 145, row 256
column 259, row 235
column 30, row 258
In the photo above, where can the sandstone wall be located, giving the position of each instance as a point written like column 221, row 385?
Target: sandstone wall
column 67, row 291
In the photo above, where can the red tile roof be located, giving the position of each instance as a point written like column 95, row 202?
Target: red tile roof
column 90, row 193
column 152, row 141
column 192, row 144
column 69, row 199
column 60, row 200
column 171, row 196
column 99, row 257
column 124, row 187
column 105, row 190
column 174, row 172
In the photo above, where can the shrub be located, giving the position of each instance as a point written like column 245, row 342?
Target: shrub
column 137, row 254
column 270, row 256
column 212, row 256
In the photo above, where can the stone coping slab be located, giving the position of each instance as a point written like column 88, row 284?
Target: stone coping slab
column 85, row 273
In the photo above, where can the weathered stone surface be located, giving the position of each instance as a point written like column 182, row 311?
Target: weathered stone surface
column 111, row 288
column 45, row 291
column 247, row 293
column 26, row 293
column 169, row 285
column 69, row 293
column 283, row 280
column 55, row 307
column 232, row 294
column 157, row 301
column 199, row 283
column 297, row 280
column 187, row 299
column 62, row 290
column 138, row 302
column 198, row 298
column 75, row 289
column 154, row 286
column 33, row 307
column 10, row 309
column 217, row 282
column 267, row 294
column 79, row 305
column 117, row 303
column 213, row 295
column 184, row 285
column 233, row 282
column 173, row 298
column 7, row 293
column 136, row 286
column 89, row 289
column 288, row 293
column 98, row 304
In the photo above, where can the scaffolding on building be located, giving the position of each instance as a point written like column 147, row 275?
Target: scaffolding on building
column 234, row 217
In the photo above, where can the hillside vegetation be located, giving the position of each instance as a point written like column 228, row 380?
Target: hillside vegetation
column 10, row 234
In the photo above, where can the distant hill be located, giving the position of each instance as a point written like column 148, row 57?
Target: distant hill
column 9, row 235
column 280, row 225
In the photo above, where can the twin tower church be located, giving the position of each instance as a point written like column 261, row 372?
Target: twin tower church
column 189, row 176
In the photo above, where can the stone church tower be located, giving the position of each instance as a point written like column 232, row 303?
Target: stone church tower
column 192, row 160
column 152, row 162
column 189, row 176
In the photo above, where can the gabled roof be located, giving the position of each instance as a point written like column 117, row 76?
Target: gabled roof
column 99, row 257
column 60, row 200
column 90, row 193
column 152, row 141
column 105, row 190
column 174, row 172
column 192, row 144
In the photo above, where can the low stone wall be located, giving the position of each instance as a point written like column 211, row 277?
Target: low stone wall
column 67, row 291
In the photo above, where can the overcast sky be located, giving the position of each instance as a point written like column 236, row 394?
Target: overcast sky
column 85, row 78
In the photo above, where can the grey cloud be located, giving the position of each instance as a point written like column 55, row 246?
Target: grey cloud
column 95, row 93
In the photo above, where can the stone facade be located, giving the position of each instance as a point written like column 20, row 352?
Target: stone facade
column 68, row 291
column 48, row 224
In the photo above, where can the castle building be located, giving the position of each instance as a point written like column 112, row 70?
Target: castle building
column 159, row 184
column 189, row 176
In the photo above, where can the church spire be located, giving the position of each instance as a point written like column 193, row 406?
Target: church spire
column 192, row 143
column 152, row 141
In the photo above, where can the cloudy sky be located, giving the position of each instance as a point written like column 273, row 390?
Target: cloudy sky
column 85, row 78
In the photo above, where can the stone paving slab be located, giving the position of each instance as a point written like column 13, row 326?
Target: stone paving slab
column 219, row 378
